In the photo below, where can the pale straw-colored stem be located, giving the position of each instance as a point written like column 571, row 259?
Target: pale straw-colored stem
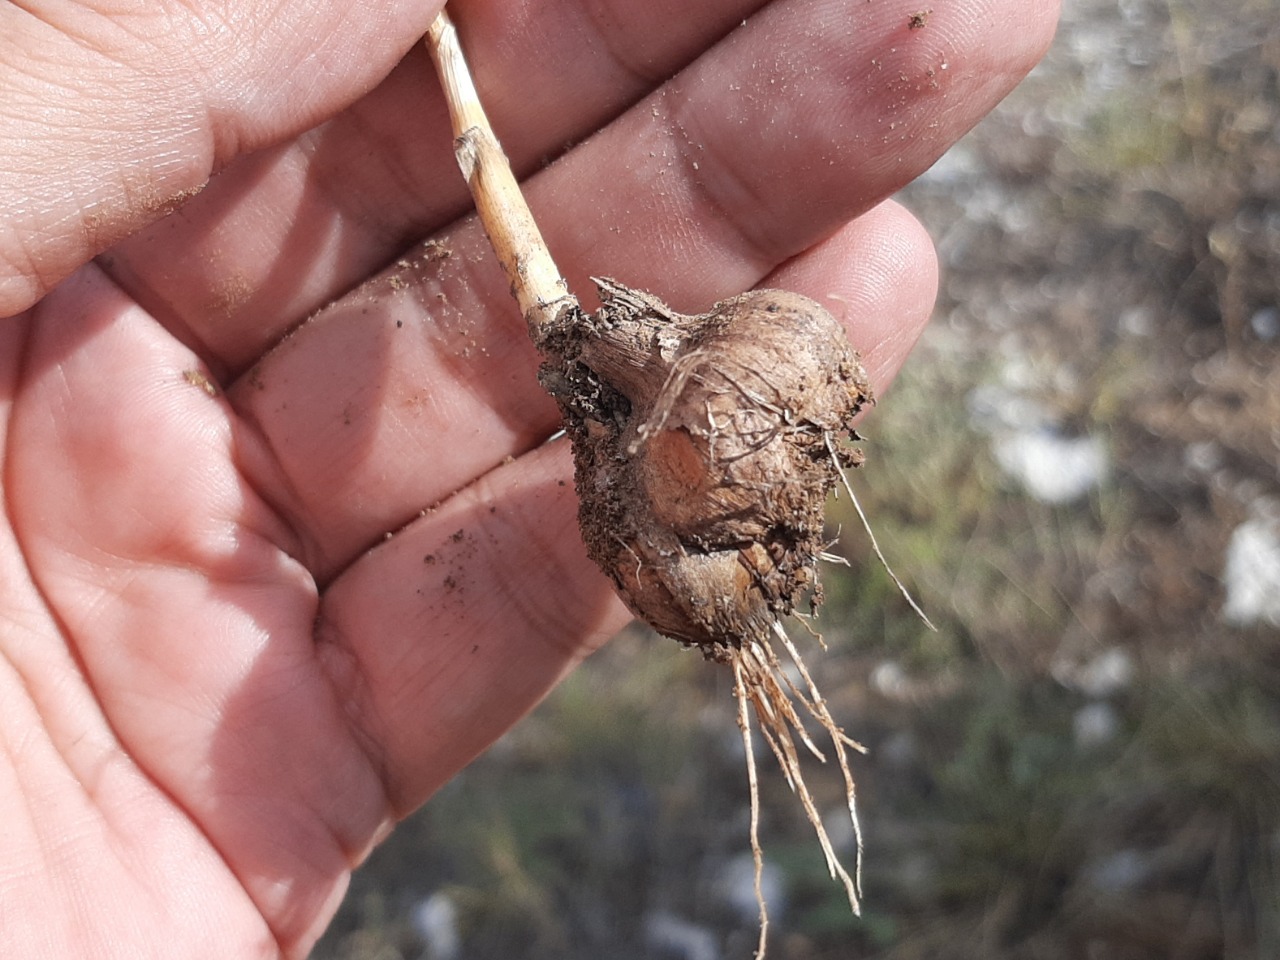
column 536, row 282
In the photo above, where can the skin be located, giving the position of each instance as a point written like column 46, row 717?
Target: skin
column 220, row 681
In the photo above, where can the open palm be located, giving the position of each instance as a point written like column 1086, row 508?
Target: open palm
column 284, row 542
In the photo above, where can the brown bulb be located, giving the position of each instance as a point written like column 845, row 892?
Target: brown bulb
column 704, row 450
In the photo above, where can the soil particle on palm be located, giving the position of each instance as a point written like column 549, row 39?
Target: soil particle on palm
column 199, row 379
column 918, row 20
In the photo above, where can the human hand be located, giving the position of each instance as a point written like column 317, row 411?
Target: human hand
column 222, row 681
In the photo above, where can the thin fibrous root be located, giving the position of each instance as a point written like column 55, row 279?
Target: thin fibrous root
column 753, row 784
column 760, row 680
column 875, row 544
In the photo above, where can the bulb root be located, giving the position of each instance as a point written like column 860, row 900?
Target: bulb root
column 705, row 448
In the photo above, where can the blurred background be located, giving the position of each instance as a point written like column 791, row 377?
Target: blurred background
column 1079, row 474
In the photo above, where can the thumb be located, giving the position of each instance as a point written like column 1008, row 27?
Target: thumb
column 111, row 114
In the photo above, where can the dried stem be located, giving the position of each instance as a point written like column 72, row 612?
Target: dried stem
column 536, row 282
